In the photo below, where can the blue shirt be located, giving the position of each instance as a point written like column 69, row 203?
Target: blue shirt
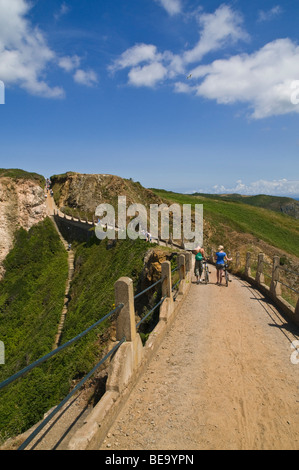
column 220, row 257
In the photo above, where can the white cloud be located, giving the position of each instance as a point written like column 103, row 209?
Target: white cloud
column 262, row 79
column 134, row 56
column 172, row 7
column 281, row 187
column 88, row 78
column 24, row 53
column 64, row 9
column 218, row 28
column 148, row 75
column 270, row 14
column 69, row 63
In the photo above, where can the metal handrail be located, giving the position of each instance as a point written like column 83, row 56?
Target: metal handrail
column 149, row 288
column 158, row 304
column 66, row 399
column 151, row 311
column 175, row 285
column 288, row 270
column 289, row 287
column 268, row 264
column 267, row 275
column 57, row 350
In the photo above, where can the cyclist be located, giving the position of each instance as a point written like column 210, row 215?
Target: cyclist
column 220, row 258
column 198, row 268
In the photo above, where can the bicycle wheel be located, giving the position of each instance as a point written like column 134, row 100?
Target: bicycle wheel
column 226, row 278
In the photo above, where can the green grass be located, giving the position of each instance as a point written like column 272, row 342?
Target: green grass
column 16, row 173
column 31, row 300
column 277, row 229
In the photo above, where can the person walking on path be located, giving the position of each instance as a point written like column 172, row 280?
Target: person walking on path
column 198, row 268
column 220, row 258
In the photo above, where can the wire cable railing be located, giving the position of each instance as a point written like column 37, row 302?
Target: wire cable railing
column 24, row 371
column 160, row 281
column 156, row 306
column 48, row 356
column 149, row 288
column 68, row 397
column 275, row 278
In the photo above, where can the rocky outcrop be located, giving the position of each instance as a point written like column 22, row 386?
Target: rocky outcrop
column 291, row 209
column 22, row 204
column 77, row 193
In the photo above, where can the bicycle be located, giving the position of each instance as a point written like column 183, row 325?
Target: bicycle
column 206, row 271
column 226, row 274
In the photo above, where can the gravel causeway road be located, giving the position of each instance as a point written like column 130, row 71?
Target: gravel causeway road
column 222, row 379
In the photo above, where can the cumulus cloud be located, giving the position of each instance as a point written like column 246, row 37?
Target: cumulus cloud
column 269, row 14
column 173, row 7
column 135, row 55
column 148, row 75
column 24, row 53
column 281, row 187
column 218, row 28
column 69, row 63
column 88, row 78
column 263, row 79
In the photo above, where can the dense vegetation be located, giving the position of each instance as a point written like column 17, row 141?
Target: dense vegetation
column 31, row 300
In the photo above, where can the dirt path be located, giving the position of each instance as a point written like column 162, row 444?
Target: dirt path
column 223, row 379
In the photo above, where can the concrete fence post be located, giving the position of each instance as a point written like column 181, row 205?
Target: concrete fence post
column 248, row 264
column 124, row 294
column 167, row 283
column 275, row 287
column 188, row 261
column 260, row 278
column 182, row 267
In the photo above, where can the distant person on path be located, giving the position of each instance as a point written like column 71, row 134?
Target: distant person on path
column 198, row 268
column 221, row 259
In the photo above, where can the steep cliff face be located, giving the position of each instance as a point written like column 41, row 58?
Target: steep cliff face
column 22, row 204
column 83, row 192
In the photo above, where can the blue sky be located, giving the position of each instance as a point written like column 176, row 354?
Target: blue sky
column 182, row 95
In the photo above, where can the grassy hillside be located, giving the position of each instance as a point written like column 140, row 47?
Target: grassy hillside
column 31, row 299
column 285, row 205
column 21, row 174
column 276, row 229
